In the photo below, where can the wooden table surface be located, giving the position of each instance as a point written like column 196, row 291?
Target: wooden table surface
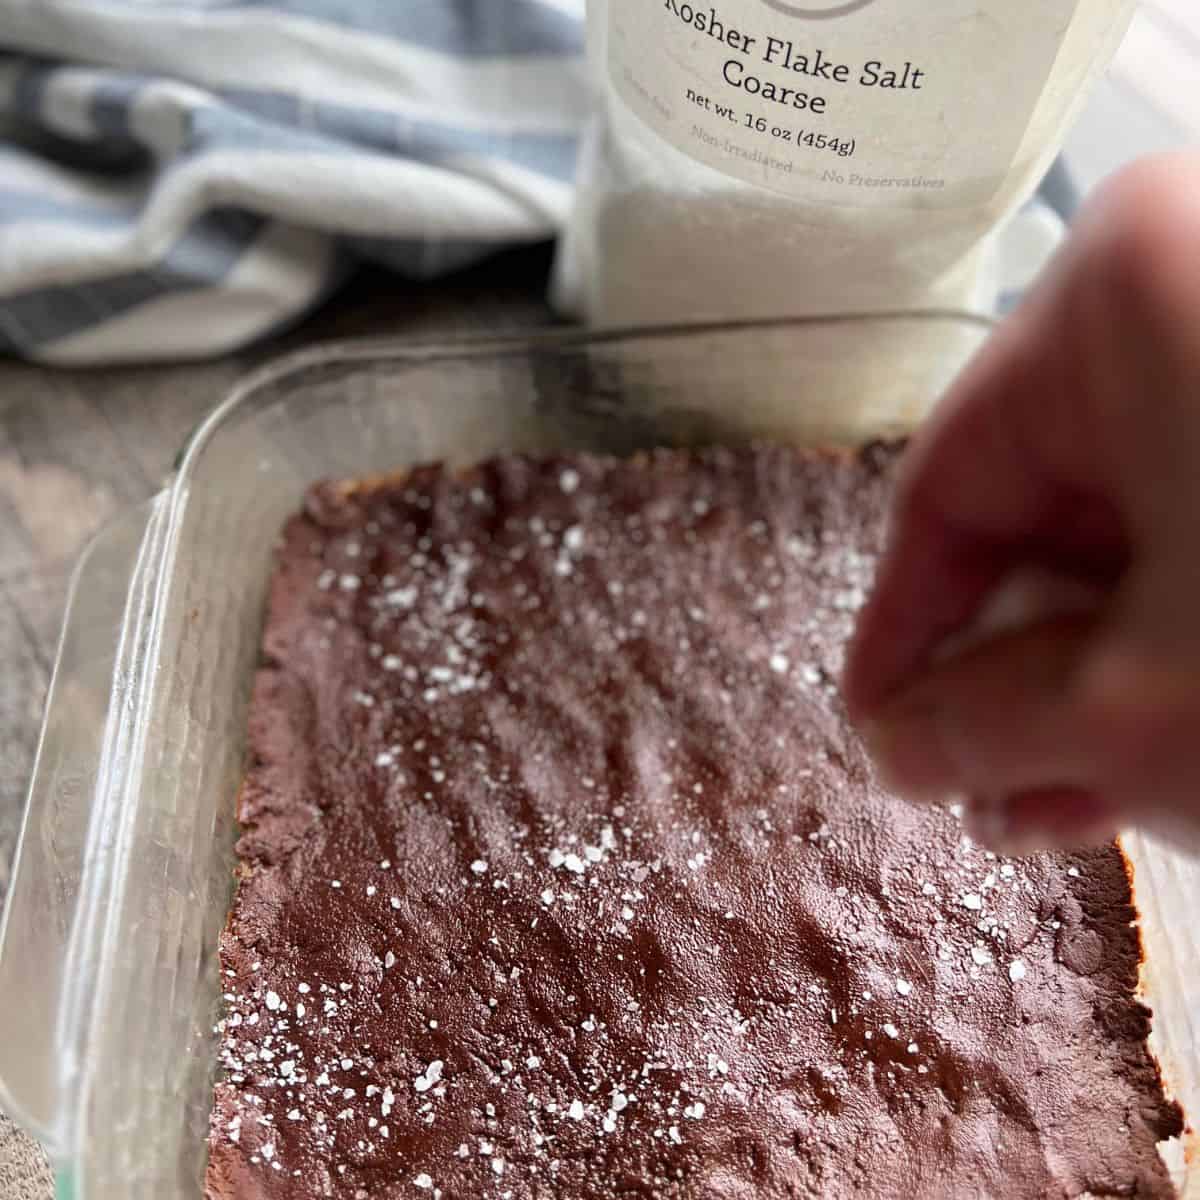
column 76, row 447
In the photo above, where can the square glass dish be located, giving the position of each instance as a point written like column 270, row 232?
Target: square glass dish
column 108, row 976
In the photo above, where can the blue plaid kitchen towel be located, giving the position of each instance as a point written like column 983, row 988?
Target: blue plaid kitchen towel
column 180, row 177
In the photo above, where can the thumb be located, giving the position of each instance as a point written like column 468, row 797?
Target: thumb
column 1001, row 718
column 1059, row 734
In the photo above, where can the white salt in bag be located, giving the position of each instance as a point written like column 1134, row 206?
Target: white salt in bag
column 765, row 158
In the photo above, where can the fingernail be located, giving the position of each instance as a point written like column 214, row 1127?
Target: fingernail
column 910, row 756
column 1041, row 820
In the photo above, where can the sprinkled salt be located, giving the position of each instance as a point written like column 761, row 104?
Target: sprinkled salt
column 891, row 1031
column 533, row 1062
column 972, row 901
column 1016, row 970
column 694, row 1111
column 272, row 1001
column 568, row 480
column 779, row 664
column 981, row 955
column 423, row 1181
column 432, row 1074
column 547, row 896
column 903, row 987
column 575, row 1112
column 402, row 597
column 479, row 866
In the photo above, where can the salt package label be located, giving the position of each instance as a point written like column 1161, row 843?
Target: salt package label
column 868, row 103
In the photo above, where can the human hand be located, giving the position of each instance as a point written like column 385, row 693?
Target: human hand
column 1070, row 448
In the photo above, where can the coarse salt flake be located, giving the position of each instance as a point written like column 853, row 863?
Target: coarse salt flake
column 1016, row 970
column 972, row 901
column 479, row 866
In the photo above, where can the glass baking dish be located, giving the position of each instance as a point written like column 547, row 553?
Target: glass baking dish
column 108, row 979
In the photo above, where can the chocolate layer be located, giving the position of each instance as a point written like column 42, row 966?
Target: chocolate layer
column 565, row 875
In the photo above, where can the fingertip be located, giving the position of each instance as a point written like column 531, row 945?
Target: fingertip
column 910, row 758
column 1041, row 820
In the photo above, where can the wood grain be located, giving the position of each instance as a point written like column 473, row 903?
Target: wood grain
column 77, row 447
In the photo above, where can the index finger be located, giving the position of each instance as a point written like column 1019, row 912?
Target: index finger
column 1014, row 469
